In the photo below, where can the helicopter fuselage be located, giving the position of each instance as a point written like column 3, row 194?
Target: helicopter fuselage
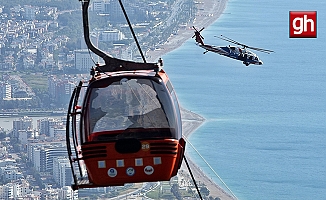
column 234, row 52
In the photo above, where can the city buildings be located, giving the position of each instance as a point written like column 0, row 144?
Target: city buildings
column 36, row 40
column 17, row 190
column 5, row 91
column 43, row 154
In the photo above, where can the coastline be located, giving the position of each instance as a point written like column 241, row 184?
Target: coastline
column 190, row 122
column 208, row 12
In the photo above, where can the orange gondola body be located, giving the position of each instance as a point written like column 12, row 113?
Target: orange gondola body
column 129, row 129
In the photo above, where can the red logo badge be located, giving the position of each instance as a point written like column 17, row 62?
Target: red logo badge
column 303, row 24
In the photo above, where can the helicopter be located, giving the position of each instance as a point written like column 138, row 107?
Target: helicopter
column 239, row 53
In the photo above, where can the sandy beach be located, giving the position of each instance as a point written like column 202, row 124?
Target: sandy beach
column 190, row 122
column 208, row 12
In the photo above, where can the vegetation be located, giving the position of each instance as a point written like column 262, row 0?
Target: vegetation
column 37, row 82
column 72, row 26
column 204, row 191
column 175, row 191
column 3, row 134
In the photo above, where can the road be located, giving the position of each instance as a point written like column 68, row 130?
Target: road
column 176, row 7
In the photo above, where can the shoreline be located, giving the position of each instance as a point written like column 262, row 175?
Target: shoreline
column 208, row 12
column 190, row 123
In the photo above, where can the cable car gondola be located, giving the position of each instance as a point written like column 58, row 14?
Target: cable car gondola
column 126, row 126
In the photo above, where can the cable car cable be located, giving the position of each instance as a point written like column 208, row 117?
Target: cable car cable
column 193, row 178
column 90, row 55
column 132, row 31
column 211, row 168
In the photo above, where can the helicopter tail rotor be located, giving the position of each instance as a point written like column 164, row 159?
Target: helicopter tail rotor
column 198, row 32
column 198, row 37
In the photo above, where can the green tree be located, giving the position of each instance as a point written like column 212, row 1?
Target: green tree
column 204, row 191
column 3, row 134
column 175, row 191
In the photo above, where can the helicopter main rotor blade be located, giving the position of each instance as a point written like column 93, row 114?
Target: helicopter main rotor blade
column 200, row 31
column 261, row 50
column 245, row 46
column 229, row 40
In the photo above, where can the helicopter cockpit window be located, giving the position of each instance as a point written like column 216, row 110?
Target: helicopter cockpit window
column 131, row 104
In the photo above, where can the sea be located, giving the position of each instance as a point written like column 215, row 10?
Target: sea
column 265, row 128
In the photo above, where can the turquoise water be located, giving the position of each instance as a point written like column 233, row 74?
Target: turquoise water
column 265, row 129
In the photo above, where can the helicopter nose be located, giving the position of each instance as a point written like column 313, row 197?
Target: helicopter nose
column 260, row 62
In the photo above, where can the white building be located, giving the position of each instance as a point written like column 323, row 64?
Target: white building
column 60, row 89
column 3, row 151
column 34, row 154
column 9, row 173
column 7, row 191
column 5, row 91
column 46, row 126
column 24, row 123
column 7, row 161
column 83, row 60
column 108, row 36
column 16, row 190
column 59, row 132
column 30, row 12
column 28, row 63
column 24, row 135
column 99, row 5
column 62, row 171
column 67, row 193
